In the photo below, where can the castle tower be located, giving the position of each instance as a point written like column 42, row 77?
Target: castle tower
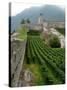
column 40, row 19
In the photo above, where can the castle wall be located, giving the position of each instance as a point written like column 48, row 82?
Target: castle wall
column 17, row 57
column 56, row 24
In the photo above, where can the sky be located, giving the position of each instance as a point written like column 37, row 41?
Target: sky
column 17, row 7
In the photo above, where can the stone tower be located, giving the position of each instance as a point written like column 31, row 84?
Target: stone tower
column 40, row 19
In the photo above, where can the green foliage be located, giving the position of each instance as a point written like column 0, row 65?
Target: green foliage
column 23, row 21
column 47, row 64
column 34, row 32
column 54, row 42
column 28, row 20
column 61, row 30
column 22, row 33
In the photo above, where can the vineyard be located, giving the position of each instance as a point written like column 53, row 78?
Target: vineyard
column 47, row 64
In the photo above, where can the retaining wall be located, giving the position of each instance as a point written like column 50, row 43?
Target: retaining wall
column 17, row 57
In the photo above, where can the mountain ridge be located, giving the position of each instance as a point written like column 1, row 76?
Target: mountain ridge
column 50, row 13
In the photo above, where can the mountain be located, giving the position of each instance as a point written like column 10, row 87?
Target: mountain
column 50, row 13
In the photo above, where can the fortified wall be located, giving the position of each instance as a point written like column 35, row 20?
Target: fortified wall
column 17, row 57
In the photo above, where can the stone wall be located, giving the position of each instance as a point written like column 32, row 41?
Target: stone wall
column 17, row 57
column 33, row 26
column 56, row 24
column 45, row 24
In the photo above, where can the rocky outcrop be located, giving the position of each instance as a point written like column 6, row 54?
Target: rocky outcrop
column 59, row 35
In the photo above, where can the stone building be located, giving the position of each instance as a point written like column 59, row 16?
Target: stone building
column 42, row 23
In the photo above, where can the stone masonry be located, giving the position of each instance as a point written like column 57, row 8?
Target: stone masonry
column 17, row 57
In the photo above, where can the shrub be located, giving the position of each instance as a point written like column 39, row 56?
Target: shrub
column 54, row 42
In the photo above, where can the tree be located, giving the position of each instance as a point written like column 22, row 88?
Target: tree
column 41, row 14
column 28, row 21
column 55, row 42
column 23, row 21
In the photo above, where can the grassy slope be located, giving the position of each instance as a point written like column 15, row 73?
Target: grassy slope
column 35, row 69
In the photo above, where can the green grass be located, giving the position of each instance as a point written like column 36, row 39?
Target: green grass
column 22, row 33
column 35, row 69
column 61, row 30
